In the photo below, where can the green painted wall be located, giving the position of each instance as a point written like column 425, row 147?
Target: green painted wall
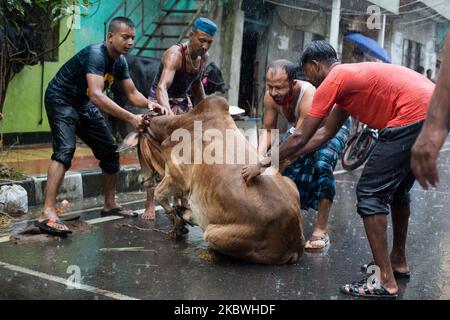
column 93, row 28
column 22, row 105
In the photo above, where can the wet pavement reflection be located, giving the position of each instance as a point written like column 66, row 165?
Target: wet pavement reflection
column 187, row 269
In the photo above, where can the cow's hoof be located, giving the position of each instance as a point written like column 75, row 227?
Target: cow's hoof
column 181, row 232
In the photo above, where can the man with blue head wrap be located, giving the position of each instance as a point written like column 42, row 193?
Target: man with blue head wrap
column 181, row 71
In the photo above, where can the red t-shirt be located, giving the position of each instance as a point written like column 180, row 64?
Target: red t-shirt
column 377, row 94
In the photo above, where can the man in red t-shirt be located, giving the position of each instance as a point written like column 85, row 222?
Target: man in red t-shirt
column 391, row 98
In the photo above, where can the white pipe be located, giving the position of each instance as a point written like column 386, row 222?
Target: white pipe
column 382, row 31
column 334, row 26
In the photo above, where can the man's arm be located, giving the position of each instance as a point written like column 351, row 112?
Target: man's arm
column 287, row 149
column 172, row 60
column 324, row 99
column 198, row 91
column 138, row 99
column 101, row 101
column 425, row 151
column 299, row 138
column 332, row 125
column 270, row 123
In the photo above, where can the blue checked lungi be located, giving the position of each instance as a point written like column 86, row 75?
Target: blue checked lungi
column 313, row 172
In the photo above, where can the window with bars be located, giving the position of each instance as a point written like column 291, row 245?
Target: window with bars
column 412, row 54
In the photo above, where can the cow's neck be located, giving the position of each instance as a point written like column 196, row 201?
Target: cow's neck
column 163, row 126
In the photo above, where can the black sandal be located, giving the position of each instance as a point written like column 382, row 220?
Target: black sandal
column 119, row 211
column 354, row 289
column 45, row 228
column 397, row 274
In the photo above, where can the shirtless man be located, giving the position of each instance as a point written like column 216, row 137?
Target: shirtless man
column 313, row 172
column 180, row 72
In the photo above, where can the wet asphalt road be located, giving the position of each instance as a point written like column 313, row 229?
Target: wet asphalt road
column 186, row 269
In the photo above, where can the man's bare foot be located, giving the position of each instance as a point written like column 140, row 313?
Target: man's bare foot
column 54, row 221
column 399, row 264
column 149, row 214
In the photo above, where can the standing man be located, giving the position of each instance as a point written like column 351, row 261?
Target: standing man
column 390, row 98
column 435, row 130
column 313, row 172
column 180, row 72
column 72, row 101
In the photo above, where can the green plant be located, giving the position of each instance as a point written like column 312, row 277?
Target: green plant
column 19, row 20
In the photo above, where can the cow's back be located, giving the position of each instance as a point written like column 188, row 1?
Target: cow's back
column 269, row 206
column 260, row 222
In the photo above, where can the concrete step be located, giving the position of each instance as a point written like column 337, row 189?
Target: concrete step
column 79, row 185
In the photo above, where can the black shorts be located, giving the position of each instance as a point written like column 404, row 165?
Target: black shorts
column 86, row 121
column 387, row 177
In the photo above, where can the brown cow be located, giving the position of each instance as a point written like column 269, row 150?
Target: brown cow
column 261, row 222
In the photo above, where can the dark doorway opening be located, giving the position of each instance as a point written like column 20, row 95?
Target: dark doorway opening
column 248, row 85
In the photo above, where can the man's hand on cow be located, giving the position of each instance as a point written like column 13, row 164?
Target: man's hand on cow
column 251, row 171
column 139, row 123
column 153, row 106
column 424, row 155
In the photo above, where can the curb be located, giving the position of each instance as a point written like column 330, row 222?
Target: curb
column 78, row 185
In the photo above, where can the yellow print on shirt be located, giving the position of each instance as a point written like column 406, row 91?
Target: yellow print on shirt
column 109, row 80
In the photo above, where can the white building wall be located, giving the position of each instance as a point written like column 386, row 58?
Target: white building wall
column 422, row 32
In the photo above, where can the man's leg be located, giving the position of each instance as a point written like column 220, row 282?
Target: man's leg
column 96, row 134
column 376, row 231
column 109, row 188
column 319, row 237
column 400, row 218
column 387, row 177
column 55, row 176
column 327, row 157
column 63, row 119
column 149, row 212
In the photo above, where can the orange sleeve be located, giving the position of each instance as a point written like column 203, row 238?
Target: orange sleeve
column 325, row 98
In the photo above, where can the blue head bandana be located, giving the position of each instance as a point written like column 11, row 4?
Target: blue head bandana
column 206, row 26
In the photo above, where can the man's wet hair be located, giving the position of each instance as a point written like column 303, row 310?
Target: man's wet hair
column 289, row 67
column 115, row 23
column 320, row 51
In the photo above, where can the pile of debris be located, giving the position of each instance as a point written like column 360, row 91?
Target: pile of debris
column 9, row 173
column 5, row 221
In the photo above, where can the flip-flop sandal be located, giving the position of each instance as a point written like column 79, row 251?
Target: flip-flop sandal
column 397, row 274
column 118, row 212
column 354, row 289
column 45, row 228
column 325, row 239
